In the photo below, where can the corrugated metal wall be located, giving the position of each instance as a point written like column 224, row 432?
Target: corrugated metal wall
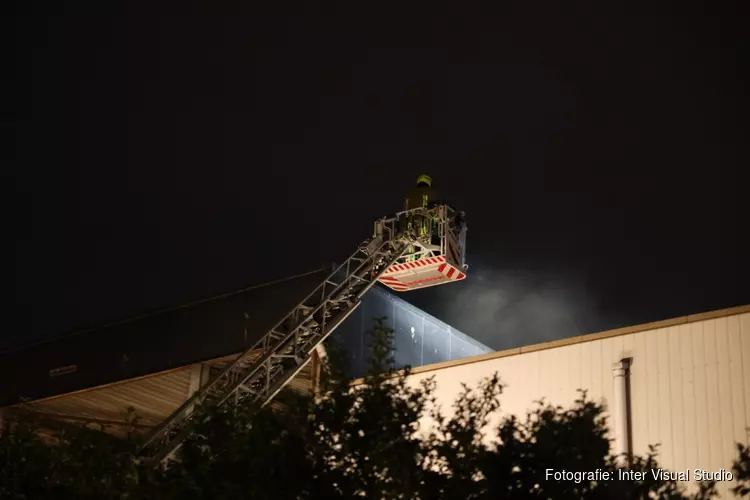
column 690, row 385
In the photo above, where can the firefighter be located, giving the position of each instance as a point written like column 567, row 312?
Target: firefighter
column 422, row 196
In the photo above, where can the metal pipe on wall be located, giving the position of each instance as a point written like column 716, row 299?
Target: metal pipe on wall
column 621, row 410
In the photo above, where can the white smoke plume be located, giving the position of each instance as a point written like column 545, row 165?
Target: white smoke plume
column 511, row 308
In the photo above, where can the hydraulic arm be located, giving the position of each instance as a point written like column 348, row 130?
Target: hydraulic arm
column 260, row 372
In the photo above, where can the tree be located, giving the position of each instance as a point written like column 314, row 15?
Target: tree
column 74, row 462
column 741, row 471
column 344, row 443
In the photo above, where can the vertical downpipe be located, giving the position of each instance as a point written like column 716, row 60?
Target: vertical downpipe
column 620, row 376
column 318, row 360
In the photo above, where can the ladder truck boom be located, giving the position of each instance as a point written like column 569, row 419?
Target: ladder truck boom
column 400, row 255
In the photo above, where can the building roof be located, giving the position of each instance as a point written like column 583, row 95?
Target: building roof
column 153, row 343
column 152, row 398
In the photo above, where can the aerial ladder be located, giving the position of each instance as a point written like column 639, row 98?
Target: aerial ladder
column 400, row 255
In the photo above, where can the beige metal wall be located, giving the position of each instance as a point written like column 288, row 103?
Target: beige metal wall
column 690, row 382
column 153, row 397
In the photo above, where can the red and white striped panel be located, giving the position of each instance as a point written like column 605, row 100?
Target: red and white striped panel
column 429, row 271
column 407, row 266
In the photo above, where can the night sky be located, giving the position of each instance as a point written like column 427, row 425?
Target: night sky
column 598, row 158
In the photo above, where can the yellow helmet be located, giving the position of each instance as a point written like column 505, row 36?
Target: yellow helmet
column 424, row 179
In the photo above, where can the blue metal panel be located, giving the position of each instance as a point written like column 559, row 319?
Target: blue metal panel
column 419, row 338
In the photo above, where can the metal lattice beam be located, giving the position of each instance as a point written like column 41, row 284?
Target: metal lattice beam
column 260, row 372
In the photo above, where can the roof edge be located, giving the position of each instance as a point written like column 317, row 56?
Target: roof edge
column 107, row 385
column 92, row 388
column 130, row 319
column 580, row 339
